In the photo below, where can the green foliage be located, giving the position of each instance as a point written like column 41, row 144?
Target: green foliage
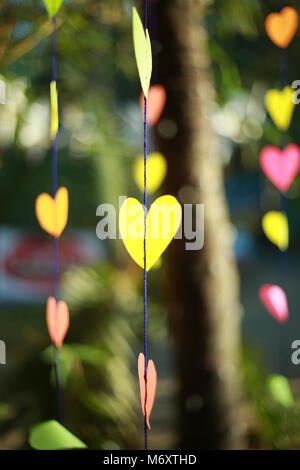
column 277, row 413
column 99, row 392
column 96, row 80
column 280, row 390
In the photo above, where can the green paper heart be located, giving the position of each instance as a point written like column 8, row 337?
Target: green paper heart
column 51, row 435
column 143, row 52
column 52, row 6
column 280, row 390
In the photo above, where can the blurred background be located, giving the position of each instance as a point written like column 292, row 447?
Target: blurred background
column 214, row 345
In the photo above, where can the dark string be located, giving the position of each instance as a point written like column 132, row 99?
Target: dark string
column 283, row 139
column 145, row 233
column 55, row 239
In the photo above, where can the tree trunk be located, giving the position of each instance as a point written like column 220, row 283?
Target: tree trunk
column 202, row 286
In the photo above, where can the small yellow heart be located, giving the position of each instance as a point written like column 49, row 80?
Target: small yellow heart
column 54, row 122
column 156, row 172
column 162, row 223
column 280, row 106
column 52, row 214
column 276, row 228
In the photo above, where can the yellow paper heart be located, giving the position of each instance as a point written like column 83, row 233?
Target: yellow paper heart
column 156, row 172
column 280, row 106
column 276, row 228
column 143, row 51
column 162, row 223
column 52, row 7
column 52, row 214
column 54, row 110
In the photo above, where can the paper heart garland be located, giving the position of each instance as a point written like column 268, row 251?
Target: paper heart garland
column 143, row 51
column 52, row 7
column 280, row 166
column 54, row 110
column 58, row 320
column 147, row 403
column 274, row 299
column 52, row 214
column 280, row 106
column 162, row 223
column 156, row 171
column 276, row 228
column 156, row 102
column 281, row 27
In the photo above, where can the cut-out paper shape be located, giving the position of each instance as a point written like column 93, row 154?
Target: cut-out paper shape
column 51, row 435
column 280, row 390
column 58, row 320
column 156, row 172
column 276, row 228
column 274, row 299
column 53, row 110
column 162, row 224
column 280, row 106
column 147, row 402
column 52, row 7
column 281, row 27
column 280, row 166
column 52, row 214
column 143, row 51
column 156, row 102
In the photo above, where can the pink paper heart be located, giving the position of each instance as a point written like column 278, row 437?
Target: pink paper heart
column 147, row 402
column 58, row 321
column 274, row 299
column 281, row 167
column 156, row 102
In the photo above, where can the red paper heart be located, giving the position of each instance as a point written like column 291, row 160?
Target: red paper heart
column 156, row 102
column 151, row 379
column 281, row 167
column 274, row 299
column 58, row 320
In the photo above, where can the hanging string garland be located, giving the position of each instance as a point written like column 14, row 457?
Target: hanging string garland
column 52, row 215
column 52, row 212
column 145, row 249
column 280, row 165
column 146, row 244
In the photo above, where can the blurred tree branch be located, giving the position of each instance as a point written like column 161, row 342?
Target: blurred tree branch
column 21, row 48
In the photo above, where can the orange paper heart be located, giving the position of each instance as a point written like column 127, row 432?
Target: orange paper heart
column 147, row 401
column 58, row 321
column 156, row 102
column 281, row 27
column 52, row 214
